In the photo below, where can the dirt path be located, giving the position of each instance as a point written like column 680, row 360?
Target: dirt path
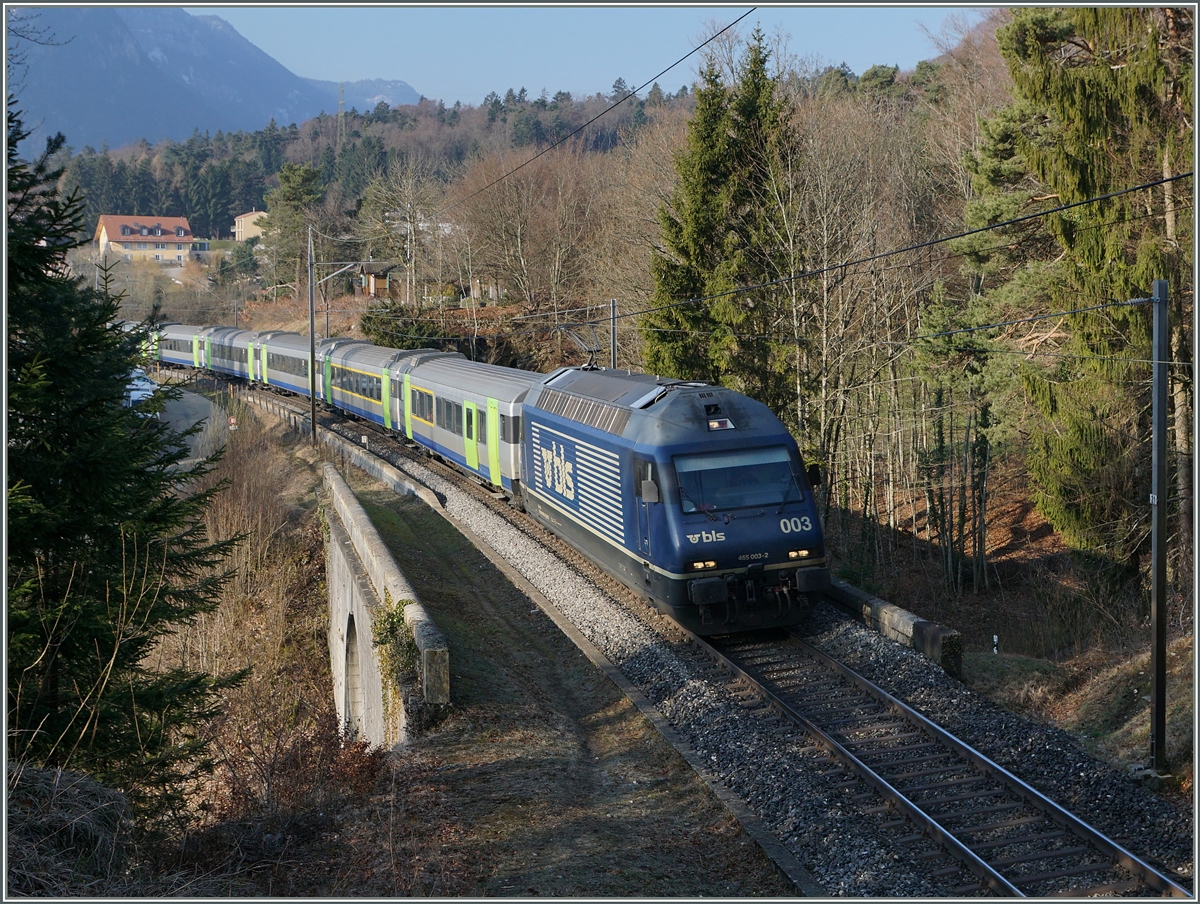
column 543, row 780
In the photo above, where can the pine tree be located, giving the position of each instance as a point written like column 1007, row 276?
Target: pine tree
column 107, row 551
column 676, row 334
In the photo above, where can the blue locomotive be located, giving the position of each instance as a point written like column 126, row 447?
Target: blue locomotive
column 692, row 495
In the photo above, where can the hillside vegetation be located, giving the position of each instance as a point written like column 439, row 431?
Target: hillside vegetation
column 980, row 407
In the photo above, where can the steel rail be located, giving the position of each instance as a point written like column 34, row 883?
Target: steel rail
column 1039, row 801
column 956, row 848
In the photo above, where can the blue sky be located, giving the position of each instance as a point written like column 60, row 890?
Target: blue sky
column 463, row 52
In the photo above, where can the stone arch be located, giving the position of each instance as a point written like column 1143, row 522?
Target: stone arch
column 354, row 691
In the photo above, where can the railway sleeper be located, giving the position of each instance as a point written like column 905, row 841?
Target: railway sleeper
column 1084, row 869
column 869, row 725
column 949, row 783
column 952, row 762
column 817, row 713
column 956, row 798
column 1045, row 855
column 954, row 774
column 1017, row 839
column 981, row 811
column 883, row 744
column 1114, row 888
column 1005, row 824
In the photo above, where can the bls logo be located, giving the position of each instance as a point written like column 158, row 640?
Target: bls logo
column 715, row 536
column 558, row 472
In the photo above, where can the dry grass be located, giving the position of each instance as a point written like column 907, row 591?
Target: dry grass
column 1102, row 697
column 280, row 767
column 67, row 834
column 281, row 764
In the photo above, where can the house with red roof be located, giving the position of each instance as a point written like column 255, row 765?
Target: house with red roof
column 163, row 239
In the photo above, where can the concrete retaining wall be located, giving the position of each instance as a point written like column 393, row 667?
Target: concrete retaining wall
column 942, row 645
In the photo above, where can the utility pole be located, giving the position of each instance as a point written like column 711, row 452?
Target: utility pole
column 312, row 339
column 612, row 331
column 1158, row 534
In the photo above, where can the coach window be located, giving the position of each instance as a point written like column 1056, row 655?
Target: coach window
column 643, row 473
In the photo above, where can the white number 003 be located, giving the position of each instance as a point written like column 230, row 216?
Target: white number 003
column 790, row 525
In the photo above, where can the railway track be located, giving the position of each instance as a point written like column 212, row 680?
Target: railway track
column 997, row 830
column 972, row 825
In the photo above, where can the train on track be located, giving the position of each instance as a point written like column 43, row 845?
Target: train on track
column 692, row 495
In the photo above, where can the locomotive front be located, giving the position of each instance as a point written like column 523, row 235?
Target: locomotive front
column 731, row 540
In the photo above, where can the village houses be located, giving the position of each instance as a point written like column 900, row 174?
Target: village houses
column 162, row 239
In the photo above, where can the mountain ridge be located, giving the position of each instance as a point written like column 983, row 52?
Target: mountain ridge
column 111, row 76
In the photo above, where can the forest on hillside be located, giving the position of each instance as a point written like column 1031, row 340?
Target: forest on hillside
column 777, row 227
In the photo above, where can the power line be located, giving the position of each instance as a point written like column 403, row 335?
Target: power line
column 917, row 247
column 604, row 112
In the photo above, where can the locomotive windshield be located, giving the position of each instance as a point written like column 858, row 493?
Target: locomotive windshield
column 740, row 478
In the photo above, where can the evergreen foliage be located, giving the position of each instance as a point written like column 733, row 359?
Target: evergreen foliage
column 717, row 235
column 286, row 222
column 213, row 179
column 1102, row 101
column 107, row 552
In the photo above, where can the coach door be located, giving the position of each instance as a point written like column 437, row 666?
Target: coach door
column 406, row 400
column 471, row 435
column 385, row 397
column 493, row 441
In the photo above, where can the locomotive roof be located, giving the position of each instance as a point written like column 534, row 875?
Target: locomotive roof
column 656, row 410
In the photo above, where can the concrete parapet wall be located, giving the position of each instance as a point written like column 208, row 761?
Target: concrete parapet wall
column 389, row 584
column 942, row 645
column 367, row 706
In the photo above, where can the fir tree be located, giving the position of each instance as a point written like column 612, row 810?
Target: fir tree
column 718, row 237
column 1104, row 101
column 107, row 552
column 286, row 222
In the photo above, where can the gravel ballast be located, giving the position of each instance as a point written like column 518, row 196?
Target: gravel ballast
column 780, row 776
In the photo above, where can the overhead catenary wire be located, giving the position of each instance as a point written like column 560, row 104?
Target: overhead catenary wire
column 909, row 248
column 882, row 255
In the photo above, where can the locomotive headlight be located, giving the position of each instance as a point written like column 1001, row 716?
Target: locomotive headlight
column 701, row 566
column 799, row 554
